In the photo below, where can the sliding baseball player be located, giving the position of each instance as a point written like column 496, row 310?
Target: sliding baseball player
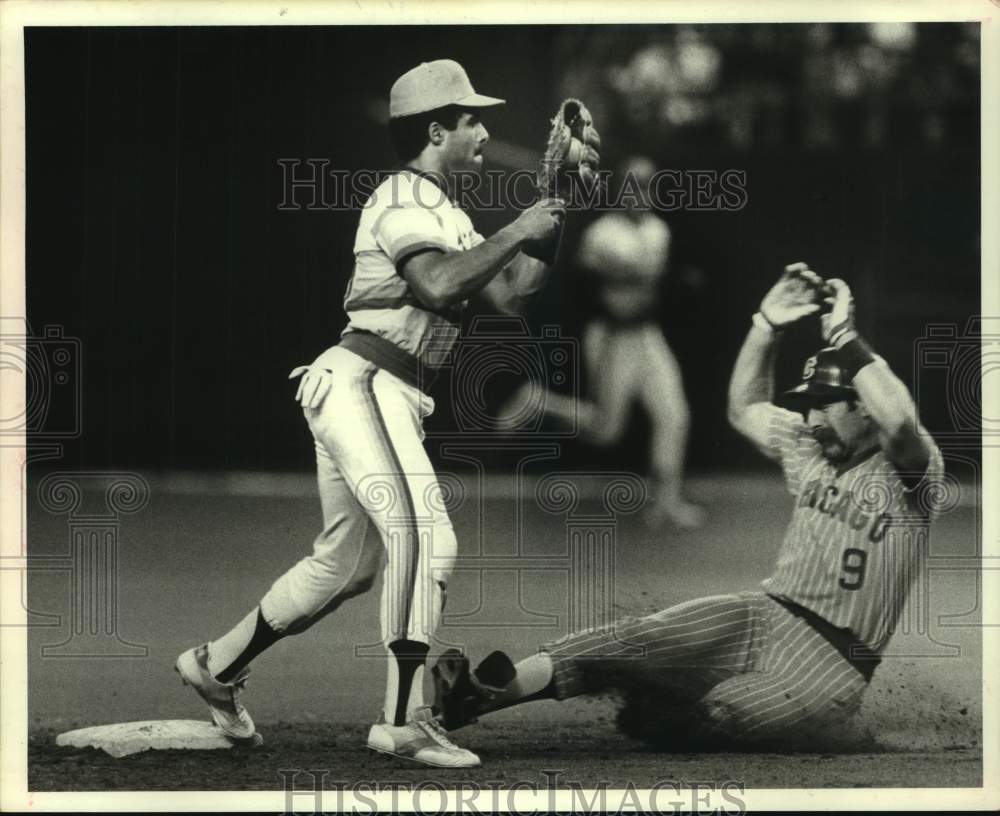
column 777, row 665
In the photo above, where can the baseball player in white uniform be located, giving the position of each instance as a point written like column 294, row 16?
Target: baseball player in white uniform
column 626, row 357
column 776, row 665
column 418, row 260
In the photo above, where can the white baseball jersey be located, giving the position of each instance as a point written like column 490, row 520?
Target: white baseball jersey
column 629, row 259
column 858, row 537
column 616, row 245
column 406, row 214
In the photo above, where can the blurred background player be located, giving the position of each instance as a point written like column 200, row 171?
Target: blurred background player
column 776, row 665
column 626, row 358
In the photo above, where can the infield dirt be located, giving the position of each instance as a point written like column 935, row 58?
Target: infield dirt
column 190, row 567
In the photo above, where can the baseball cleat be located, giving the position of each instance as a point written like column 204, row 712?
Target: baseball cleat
column 422, row 740
column 458, row 691
column 223, row 698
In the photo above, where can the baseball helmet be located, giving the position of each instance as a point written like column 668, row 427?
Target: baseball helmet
column 825, row 378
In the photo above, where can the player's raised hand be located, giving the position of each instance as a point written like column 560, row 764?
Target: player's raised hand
column 541, row 219
column 794, row 296
column 837, row 324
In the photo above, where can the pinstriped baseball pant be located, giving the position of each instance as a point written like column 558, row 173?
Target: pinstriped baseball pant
column 371, row 467
column 750, row 668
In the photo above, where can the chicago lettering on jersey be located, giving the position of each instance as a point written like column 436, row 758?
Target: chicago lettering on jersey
column 841, row 505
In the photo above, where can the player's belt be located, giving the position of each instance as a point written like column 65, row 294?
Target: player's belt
column 843, row 640
column 388, row 356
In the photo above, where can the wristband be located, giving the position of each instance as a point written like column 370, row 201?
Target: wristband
column 855, row 354
column 762, row 322
column 842, row 334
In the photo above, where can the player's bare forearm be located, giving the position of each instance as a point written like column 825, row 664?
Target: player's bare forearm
column 887, row 400
column 752, row 380
column 751, row 387
column 516, row 287
column 442, row 279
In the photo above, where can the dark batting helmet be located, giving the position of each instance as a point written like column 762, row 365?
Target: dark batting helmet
column 825, row 378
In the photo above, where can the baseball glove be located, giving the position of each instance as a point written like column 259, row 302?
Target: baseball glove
column 572, row 148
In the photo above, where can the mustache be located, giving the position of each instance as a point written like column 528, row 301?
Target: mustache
column 832, row 445
column 825, row 436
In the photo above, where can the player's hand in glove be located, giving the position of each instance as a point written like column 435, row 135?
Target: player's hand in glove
column 541, row 219
column 541, row 226
column 794, row 296
column 837, row 324
column 313, row 387
column 572, row 148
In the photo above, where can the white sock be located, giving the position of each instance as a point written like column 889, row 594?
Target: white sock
column 534, row 676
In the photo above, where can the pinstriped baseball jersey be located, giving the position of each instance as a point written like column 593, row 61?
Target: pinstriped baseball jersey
column 857, row 537
column 406, row 214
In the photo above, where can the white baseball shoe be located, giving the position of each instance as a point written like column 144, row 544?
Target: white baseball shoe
column 422, row 739
column 223, row 698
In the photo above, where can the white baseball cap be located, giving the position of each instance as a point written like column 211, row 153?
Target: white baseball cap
column 433, row 85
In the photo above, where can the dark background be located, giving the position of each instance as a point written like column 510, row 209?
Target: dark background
column 154, row 234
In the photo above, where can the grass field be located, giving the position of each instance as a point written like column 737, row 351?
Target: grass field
column 197, row 558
